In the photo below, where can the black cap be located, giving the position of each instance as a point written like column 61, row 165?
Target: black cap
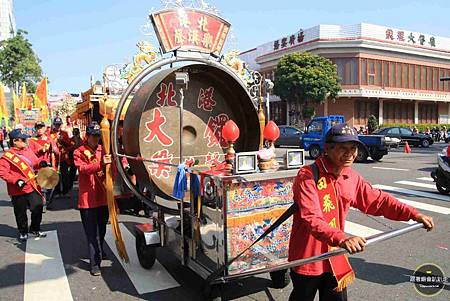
column 39, row 124
column 342, row 132
column 93, row 129
column 57, row 121
column 17, row 134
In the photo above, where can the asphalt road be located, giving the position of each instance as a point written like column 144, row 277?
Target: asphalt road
column 382, row 271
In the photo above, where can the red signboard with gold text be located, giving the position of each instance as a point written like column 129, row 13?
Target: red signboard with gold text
column 190, row 29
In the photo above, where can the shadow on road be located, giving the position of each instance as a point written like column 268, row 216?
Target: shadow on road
column 5, row 203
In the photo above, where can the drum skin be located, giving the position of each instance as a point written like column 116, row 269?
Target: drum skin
column 152, row 123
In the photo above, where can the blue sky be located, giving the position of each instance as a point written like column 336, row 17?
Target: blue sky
column 77, row 38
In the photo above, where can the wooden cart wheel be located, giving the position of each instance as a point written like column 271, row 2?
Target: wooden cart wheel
column 146, row 254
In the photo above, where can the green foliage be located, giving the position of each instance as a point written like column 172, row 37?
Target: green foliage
column 18, row 62
column 306, row 79
column 372, row 123
column 308, row 113
column 421, row 127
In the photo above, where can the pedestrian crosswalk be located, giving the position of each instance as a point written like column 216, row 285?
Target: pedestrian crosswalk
column 45, row 276
column 46, row 279
column 144, row 281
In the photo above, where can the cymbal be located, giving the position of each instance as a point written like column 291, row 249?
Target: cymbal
column 47, row 178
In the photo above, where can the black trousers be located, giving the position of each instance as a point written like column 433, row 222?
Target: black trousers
column 65, row 177
column 35, row 202
column 305, row 288
column 72, row 175
column 94, row 223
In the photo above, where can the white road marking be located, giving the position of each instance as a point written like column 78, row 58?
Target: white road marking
column 408, row 222
column 359, row 230
column 45, row 277
column 425, row 206
column 413, row 192
column 417, row 184
column 145, row 281
column 390, row 168
column 429, row 179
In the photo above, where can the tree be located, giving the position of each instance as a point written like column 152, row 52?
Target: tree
column 19, row 63
column 306, row 79
column 372, row 124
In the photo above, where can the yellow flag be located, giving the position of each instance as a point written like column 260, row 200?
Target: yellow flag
column 24, row 97
column 16, row 103
column 3, row 108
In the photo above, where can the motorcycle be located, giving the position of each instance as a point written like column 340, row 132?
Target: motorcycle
column 441, row 175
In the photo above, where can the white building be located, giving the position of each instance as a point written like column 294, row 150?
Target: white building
column 7, row 20
column 390, row 73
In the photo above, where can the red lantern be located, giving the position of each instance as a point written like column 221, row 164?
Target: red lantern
column 230, row 131
column 271, row 131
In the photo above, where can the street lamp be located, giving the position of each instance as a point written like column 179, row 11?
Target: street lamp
column 269, row 86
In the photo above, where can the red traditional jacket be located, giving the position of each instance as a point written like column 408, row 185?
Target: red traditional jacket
column 91, row 177
column 312, row 234
column 38, row 143
column 17, row 165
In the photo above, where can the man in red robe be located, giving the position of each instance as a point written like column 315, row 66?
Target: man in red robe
column 323, row 203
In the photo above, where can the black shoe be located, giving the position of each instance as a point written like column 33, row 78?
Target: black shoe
column 38, row 234
column 95, row 271
column 23, row 237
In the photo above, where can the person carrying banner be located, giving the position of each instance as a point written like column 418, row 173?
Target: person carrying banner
column 92, row 203
column 318, row 226
column 17, row 169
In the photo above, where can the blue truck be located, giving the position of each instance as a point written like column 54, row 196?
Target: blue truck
column 313, row 139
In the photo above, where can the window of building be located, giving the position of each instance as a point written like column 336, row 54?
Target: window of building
column 394, row 112
column 417, row 77
column 391, row 74
column 378, row 79
column 429, row 78
column 411, row 77
column 405, row 75
column 385, row 74
column 435, row 79
column 441, row 84
column 428, row 113
column 423, row 78
column 398, row 75
column 363, row 109
column 340, row 66
column 363, row 71
column 446, row 83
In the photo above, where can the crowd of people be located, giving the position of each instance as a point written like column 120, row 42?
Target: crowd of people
column 62, row 148
column 323, row 192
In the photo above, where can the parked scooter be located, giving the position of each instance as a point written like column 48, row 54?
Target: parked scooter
column 441, row 174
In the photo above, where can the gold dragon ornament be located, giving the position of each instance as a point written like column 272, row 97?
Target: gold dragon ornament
column 146, row 55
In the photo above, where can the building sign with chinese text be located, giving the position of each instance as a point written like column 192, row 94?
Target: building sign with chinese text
column 292, row 40
column 410, row 37
column 190, row 29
